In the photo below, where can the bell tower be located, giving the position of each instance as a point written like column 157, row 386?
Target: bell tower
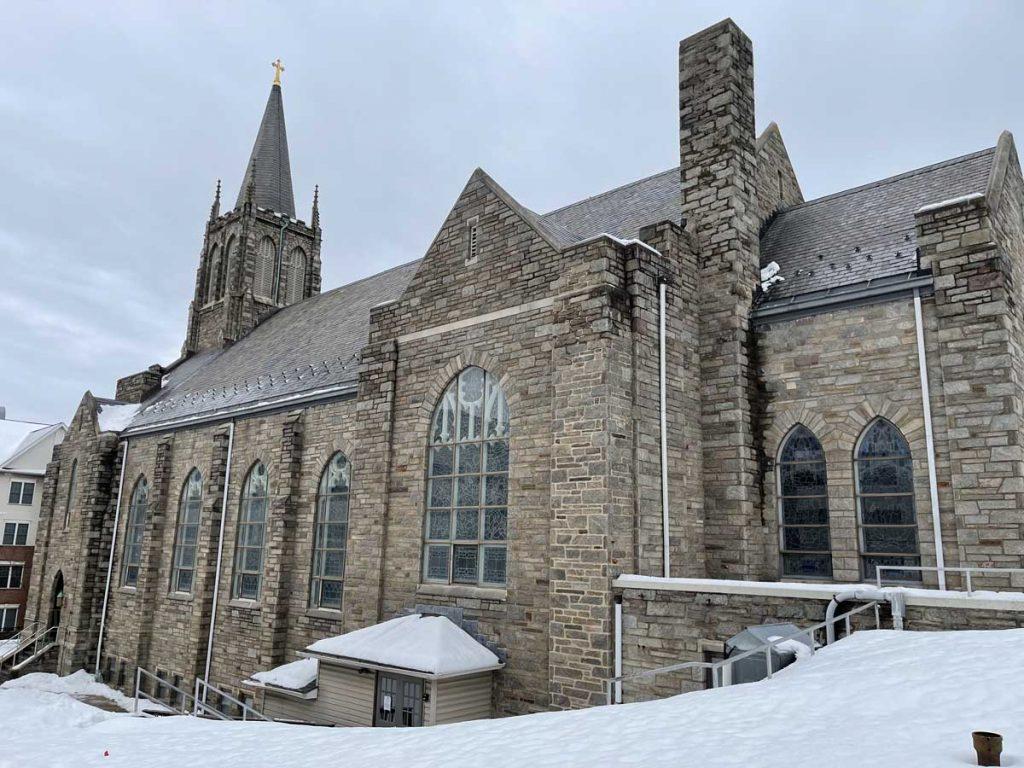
column 257, row 257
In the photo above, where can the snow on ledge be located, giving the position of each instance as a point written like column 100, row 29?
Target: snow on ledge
column 294, row 676
column 952, row 201
column 928, row 598
column 115, row 417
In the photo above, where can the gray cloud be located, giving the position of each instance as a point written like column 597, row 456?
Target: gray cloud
column 116, row 120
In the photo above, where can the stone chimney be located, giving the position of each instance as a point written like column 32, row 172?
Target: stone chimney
column 719, row 202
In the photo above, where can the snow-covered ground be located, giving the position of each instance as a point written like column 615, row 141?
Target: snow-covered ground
column 878, row 698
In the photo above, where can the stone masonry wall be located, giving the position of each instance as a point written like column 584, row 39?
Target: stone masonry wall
column 777, row 185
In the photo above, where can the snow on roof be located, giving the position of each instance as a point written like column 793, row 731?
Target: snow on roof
column 114, row 417
column 295, row 676
column 15, row 434
column 430, row 644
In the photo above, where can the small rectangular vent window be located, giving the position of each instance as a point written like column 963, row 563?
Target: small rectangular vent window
column 473, row 239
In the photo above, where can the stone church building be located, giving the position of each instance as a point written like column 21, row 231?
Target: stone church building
column 698, row 375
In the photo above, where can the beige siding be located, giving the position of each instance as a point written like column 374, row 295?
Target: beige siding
column 466, row 698
column 346, row 697
column 282, row 707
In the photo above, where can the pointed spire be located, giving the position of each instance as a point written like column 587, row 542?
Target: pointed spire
column 272, row 185
column 316, row 207
column 215, row 208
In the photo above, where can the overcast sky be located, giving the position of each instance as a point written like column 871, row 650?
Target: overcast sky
column 116, row 121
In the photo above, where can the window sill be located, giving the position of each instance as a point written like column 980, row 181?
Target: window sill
column 323, row 613
column 463, row 590
column 128, row 590
column 182, row 597
column 252, row 605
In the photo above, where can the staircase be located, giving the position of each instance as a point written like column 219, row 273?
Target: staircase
column 27, row 647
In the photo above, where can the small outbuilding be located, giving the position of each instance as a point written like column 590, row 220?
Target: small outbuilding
column 410, row 671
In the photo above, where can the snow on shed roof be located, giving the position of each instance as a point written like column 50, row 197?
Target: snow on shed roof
column 431, row 644
column 295, row 676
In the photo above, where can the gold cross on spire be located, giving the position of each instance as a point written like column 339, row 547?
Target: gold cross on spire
column 278, row 69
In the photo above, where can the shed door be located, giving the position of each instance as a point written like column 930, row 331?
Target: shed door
column 399, row 701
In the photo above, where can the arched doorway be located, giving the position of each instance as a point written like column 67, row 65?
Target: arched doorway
column 57, row 599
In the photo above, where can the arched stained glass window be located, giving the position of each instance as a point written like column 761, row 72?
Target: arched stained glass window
column 330, row 535
column 72, row 485
column 252, row 523
column 885, row 502
column 138, row 512
column 466, row 524
column 266, row 257
column 803, row 507
column 213, row 275
column 296, row 275
column 186, row 536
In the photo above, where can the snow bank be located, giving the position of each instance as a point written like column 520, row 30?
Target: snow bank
column 878, row 698
column 115, row 417
column 431, row 644
column 80, row 683
column 294, row 676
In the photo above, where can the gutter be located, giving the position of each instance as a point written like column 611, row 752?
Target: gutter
column 933, row 485
column 110, row 560
column 220, row 552
column 833, row 298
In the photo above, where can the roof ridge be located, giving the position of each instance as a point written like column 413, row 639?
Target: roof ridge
column 891, row 179
column 611, row 191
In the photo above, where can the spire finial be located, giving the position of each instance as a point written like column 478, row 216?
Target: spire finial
column 316, row 206
column 278, row 69
column 215, row 208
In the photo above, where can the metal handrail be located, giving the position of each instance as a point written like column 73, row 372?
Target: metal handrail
column 718, row 668
column 18, row 640
column 967, row 570
column 43, row 635
column 202, row 692
column 141, row 674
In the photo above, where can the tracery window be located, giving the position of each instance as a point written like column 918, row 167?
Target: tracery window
column 138, row 512
column 885, row 502
column 466, row 525
column 263, row 285
column 296, row 275
column 252, row 523
column 330, row 535
column 803, row 507
column 187, row 533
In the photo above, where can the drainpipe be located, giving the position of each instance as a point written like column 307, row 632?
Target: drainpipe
column 618, row 650
column 110, row 560
column 220, row 551
column 895, row 597
column 933, row 485
column 664, row 426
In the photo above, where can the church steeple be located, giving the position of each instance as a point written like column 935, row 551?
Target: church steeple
column 268, row 169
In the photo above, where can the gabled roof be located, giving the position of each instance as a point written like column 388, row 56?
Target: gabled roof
column 429, row 644
column 17, row 437
column 864, row 233
column 273, row 182
column 311, row 346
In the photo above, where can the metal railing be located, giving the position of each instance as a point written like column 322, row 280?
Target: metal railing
column 142, row 675
column 721, row 671
column 967, row 571
column 202, row 692
column 10, row 646
column 34, row 645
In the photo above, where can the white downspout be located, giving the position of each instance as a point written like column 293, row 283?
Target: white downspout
column 933, row 485
column 664, row 428
column 618, row 652
column 110, row 560
column 220, row 551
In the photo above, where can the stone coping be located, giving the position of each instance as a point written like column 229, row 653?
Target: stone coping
column 925, row 598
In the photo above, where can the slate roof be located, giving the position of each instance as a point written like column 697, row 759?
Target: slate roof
column 309, row 346
column 866, row 232
column 270, row 152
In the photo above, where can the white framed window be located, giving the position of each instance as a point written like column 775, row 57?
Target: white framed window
column 186, row 535
column 472, row 239
column 72, row 484
column 884, row 477
column 8, row 618
column 22, row 492
column 804, row 541
column 330, row 535
column 466, row 522
column 15, row 534
column 296, row 275
column 252, row 522
column 138, row 512
column 11, row 575
column 266, row 256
